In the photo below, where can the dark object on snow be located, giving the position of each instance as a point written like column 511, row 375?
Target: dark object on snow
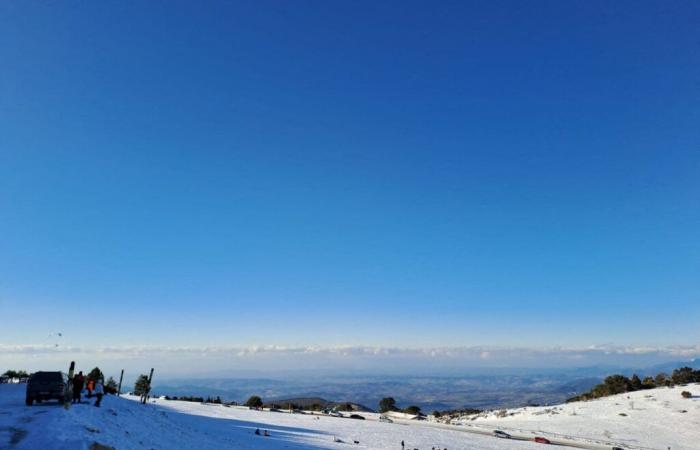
column 541, row 440
column 501, row 434
column 356, row 416
column 98, row 446
column 46, row 386
column 257, row 431
column 78, row 384
column 266, row 433
column 254, row 402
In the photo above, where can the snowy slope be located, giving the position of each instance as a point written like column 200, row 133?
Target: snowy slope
column 656, row 418
column 125, row 424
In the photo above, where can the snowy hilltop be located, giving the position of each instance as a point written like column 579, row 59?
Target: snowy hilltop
column 656, row 418
column 652, row 419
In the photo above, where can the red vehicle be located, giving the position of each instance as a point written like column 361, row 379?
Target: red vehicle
column 541, row 440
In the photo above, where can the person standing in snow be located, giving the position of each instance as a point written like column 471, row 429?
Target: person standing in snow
column 78, row 382
column 90, row 387
column 402, row 445
column 99, row 392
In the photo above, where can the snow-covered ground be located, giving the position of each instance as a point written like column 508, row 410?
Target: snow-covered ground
column 657, row 418
column 651, row 422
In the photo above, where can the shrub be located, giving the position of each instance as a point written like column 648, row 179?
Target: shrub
column 111, row 386
column 661, row 379
column 387, row 404
column 686, row 394
column 685, row 375
column 141, row 386
column 648, row 383
column 635, row 383
column 617, row 384
column 15, row 374
column 345, row 407
column 412, row 410
column 254, row 402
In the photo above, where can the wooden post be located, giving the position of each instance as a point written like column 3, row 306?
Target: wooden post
column 119, row 389
column 68, row 390
column 148, row 389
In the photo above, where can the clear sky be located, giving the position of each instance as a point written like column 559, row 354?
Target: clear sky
column 350, row 173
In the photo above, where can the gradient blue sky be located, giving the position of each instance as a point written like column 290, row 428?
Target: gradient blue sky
column 361, row 173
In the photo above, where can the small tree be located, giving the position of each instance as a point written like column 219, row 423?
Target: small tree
column 346, row 406
column 15, row 374
column 617, row 384
column 387, row 404
column 254, row 402
column 96, row 374
column 635, row 383
column 661, row 379
column 141, row 386
column 111, row 386
column 684, row 375
column 686, row 394
column 414, row 410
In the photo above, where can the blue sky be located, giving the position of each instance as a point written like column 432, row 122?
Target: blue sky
column 350, row 173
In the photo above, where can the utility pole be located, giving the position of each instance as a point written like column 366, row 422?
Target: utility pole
column 119, row 390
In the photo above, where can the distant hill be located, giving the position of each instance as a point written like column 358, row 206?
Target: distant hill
column 669, row 367
column 578, row 386
column 310, row 402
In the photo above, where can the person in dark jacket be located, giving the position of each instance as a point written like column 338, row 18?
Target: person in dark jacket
column 78, row 383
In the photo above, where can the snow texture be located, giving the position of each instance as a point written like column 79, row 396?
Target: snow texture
column 652, row 420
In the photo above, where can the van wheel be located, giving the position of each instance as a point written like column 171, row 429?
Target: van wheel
column 29, row 400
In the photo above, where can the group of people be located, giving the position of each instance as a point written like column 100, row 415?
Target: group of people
column 264, row 433
column 92, row 387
